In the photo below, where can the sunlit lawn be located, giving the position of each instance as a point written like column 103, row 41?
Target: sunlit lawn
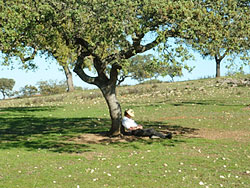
column 41, row 146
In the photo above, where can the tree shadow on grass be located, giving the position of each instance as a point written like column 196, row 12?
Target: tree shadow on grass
column 20, row 129
column 206, row 102
column 218, row 102
column 165, row 128
column 48, row 133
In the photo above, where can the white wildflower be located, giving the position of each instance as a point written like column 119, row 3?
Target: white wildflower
column 201, row 183
column 222, row 177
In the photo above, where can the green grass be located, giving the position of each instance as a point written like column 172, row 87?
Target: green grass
column 40, row 143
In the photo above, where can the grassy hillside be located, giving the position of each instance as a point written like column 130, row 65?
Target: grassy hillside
column 57, row 141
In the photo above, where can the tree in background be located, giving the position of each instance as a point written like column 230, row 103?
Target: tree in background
column 6, row 86
column 13, row 44
column 65, row 58
column 139, row 68
column 142, row 67
column 223, row 32
column 16, row 46
column 28, row 90
column 51, row 87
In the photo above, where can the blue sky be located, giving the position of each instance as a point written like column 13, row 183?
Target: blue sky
column 50, row 71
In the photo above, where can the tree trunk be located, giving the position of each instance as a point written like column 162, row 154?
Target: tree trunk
column 108, row 89
column 114, row 109
column 69, row 78
column 218, row 61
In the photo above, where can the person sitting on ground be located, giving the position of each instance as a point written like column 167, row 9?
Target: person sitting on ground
column 137, row 129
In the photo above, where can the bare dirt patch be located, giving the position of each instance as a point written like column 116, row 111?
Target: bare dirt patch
column 241, row 136
column 98, row 138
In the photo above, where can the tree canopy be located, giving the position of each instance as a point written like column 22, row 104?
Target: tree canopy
column 6, row 86
column 223, row 31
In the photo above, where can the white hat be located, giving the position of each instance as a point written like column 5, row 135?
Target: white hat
column 130, row 112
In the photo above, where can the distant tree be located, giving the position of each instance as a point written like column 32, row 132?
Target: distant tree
column 222, row 31
column 65, row 58
column 6, row 86
column 69, row 78
column 141, row 67
column 28, row 90
column 51, row 87
column 78, row 88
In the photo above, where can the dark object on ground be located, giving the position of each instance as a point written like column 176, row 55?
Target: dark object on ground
column 150, row 133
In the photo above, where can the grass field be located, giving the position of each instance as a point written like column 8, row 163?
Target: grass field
column 57, row 141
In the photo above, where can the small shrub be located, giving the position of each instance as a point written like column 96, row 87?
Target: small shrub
column 155, row 81
column 51, row 87
column 28, row 90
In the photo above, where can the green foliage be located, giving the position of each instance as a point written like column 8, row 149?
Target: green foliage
column 28, row 90
column 66, row 29
column 51, row 87
column 140, row 67
column 6, row 86
column 221, row 30
column 78, row 88
column 154, row 81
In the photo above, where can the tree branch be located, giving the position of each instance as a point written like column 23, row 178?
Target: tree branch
column 80, row 72
column 122, row 79
column 24, row 59
column 90, row 49
column 114, row 73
